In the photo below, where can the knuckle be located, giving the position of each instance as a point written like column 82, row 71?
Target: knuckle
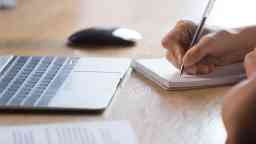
column 185, row 23
column 223, row 33
column 169, row 39
column 181, row 22
column 206, row 43
column 165, row 42
column 185, row 26
column 196, row 52
column 208, row 39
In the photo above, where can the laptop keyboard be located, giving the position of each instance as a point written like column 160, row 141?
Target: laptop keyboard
column 33, row 81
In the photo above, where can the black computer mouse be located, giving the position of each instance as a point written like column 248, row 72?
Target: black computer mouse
column 104, row 37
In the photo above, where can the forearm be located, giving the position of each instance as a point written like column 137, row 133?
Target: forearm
column 240, row 114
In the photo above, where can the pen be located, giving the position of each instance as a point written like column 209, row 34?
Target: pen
column 199, row 29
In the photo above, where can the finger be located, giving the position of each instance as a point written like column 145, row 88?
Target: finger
column 175, row 50
column 204, row 68
column 200, row 69
column 182, row 34
column 179, row 35
column 197, row 53
column 175, row 55
column 172, row 59
column 250, row 63
column 191, row 70
column 179, row 54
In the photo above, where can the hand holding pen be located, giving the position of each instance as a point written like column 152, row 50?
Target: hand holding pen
column 216, row 47
column 199, row 29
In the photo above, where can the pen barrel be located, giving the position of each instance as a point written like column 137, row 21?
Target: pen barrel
column 209, row 8
column 200, row 27
column 198, row 32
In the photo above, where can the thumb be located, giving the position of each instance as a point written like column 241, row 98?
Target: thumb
column 194, row 55
column 250, row 63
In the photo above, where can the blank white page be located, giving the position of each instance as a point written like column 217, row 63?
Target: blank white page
column 166, row 75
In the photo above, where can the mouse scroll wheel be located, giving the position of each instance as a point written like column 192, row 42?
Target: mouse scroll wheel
column 127, row 34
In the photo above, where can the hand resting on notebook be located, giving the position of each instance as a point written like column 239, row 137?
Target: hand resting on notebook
column 215, row 48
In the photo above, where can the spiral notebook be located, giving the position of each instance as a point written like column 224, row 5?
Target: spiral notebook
column 168, row 77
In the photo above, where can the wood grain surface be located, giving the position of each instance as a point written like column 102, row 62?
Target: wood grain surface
column 41, row 27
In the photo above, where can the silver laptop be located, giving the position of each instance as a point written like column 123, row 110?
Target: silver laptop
column 59, row 83
column 5, row 4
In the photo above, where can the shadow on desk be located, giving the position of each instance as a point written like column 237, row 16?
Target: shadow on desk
column 25, row 43
column 50, row 112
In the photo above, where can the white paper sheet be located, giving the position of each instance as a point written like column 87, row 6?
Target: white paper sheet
column 118, row 132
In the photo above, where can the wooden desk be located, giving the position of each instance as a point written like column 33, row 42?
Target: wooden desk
column 40, row 27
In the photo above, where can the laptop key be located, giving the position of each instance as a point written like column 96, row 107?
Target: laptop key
column 33, row 81
column 18, row 81
column 11, row 73
column 45, row 82
column 57, row 83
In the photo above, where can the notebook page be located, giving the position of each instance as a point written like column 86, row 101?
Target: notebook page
column 80, row 133
column 165, row 74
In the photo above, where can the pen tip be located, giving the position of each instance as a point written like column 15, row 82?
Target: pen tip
column 181, row 70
